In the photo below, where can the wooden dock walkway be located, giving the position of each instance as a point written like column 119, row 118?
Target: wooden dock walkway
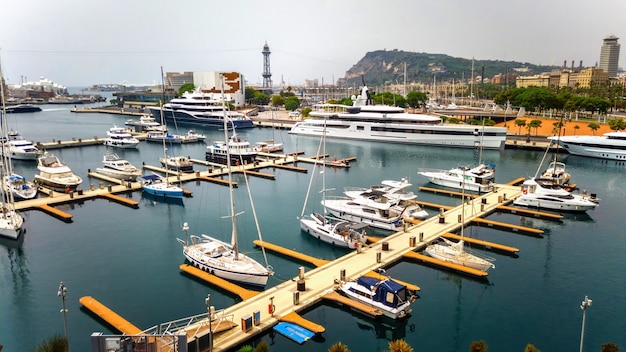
column 298, row 294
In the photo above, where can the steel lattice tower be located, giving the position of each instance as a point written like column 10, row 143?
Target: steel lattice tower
column 267, row 75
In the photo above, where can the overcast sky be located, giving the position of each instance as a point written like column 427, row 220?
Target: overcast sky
column 79, row 43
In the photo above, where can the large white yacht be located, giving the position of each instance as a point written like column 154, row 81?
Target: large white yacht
column 19, row 148
column 200, row 109
column 390, row 124
column 611, row 145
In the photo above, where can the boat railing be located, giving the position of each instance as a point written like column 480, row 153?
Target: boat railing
column 430, row 170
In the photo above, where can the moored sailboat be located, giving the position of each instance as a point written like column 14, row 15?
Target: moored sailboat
column 224, row 259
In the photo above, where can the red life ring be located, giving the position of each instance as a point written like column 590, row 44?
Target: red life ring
column 524, row 191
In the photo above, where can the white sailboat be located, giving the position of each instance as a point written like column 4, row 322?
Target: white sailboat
column 455, row 252
column 337, row 232
column 11, row 221
column 224, row 259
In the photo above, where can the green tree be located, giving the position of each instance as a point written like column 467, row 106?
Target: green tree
column 339, row 347
column 261, row 98
column 534, row 124
column 609, row 347
column 292, row 103
column 399, row 346
column 305, row 112
column 187, row 87
column 557, row 127
column 262, row 347
column 617, row 124
column 278, row 100
column 593, row 126
column 56, row 343
column 478, row 346
column 576, row 128
column 520, row 123
column 246, row 348
column 531, row 348
column 416, row 99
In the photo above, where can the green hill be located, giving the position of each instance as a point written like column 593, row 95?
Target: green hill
column 384, row 67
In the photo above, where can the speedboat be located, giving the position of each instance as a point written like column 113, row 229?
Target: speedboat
column 238, row 147
column 268, row 146
column 545, row 194
column 120, row 137
column 611, row 145
column 19, row 186
column 391, row 297
column 56, row 175
column 478, row 179
column 389, row 124
column 339, row 233
column 383, row 206
column 158, row 185
column 114, row 166
column 177, row 163
column 18, row 148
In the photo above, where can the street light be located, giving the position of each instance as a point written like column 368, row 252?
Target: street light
column 62, row 292
column 586, row 303
column 207, row 300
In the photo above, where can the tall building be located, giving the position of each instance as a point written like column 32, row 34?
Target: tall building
column 609, row 56
column 267, row 74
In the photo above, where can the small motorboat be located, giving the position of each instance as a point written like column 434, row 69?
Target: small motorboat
column 121, row 169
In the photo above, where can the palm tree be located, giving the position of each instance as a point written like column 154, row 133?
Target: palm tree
column 593, row 126
column 531, row 348
column 339, row 347
column 609, row 347
column 478, row 346
column 399, row 346
column 262, row 347
column 576, row 128
column 520, row 123
column 56, row 343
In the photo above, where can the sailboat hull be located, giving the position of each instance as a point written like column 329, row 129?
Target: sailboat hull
column 327, row 232
column 453, row 255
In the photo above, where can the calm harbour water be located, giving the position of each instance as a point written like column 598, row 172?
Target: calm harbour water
column 128, row 258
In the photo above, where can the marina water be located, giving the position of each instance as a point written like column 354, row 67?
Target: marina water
column 128, row 258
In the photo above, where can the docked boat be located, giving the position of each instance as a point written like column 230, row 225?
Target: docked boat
column 158, row 186
column 339, row 233
column 224, row 259
column 55, row 175
column 455, row 253
column 145, row 123
column 200, row 109
column 162, row 136
column 121, row 169
column 19, row 186
column 237, row 149
column 268, row 146
column 390, row 124
column 195, row 136
column 390, row 297
column 545, row 194
column 557, row 174
column 120, row 137
column 177, row 163
column 611, row 145
column 477, row 179
column 383, row 206
column 19, row 148
column 22, row 108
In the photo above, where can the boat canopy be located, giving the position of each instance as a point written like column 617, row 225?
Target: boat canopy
column 387, row 292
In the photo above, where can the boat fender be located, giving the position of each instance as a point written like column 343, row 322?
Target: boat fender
column 412, row 299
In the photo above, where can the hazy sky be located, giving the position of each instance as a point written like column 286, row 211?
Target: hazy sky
column 78, row 43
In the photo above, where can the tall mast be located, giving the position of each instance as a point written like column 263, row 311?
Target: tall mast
column 233, row 239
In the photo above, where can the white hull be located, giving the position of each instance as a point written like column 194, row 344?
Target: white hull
column 610, row 146
column 327, row 232
column 20, row 188
column 439, row 178
column 217, row 258
column 439, row 135
column 545, row 194
column 365, row 295
column 554, row 205
column 18, row 155
column 11, row 224
column 122, row 144
column 456, row 255
column 344, row 208
column 120, row 175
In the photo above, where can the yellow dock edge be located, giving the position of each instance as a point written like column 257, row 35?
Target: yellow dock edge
column 55, row 212
column 122, row 325
column 482, row 243
column 295, row 318
column 425, row 258
column 224, row 284
column 291, row 253
column 122, row 200
column 499, row 224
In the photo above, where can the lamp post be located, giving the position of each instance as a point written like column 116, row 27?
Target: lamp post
column 586, row 303
column 62, row 292
column 207, row 300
